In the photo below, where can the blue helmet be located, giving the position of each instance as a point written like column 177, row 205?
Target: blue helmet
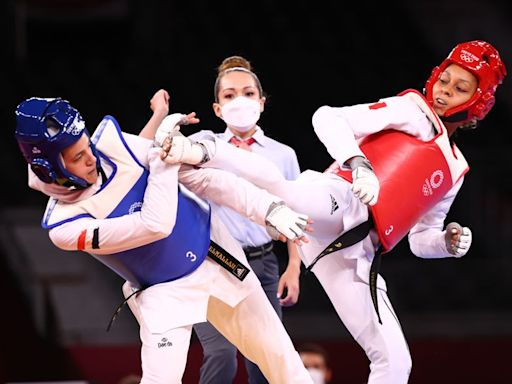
column 45, row 127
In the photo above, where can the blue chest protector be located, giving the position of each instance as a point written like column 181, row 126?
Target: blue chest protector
column 164, row 260
column 168, row 259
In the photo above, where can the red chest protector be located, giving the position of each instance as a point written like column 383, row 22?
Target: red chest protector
column 414, row 175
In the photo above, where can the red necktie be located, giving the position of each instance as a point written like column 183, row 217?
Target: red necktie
column 243, row 144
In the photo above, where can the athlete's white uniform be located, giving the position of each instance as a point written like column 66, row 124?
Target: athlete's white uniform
column 167, row 311
column 328, row 200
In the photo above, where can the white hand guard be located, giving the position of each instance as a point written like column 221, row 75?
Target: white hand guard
column 283, row 220
column 365, row 184
column 184, row 150
column 458, row 239
column 169, row 127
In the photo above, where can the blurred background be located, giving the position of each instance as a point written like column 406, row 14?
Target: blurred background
column 110, row 57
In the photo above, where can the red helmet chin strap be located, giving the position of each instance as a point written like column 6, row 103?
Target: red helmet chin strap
column 482, row 60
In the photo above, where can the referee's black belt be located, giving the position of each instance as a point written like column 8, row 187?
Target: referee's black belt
column 258, row 251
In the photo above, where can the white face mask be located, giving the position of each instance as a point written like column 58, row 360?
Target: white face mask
column 317, row 375
column 241, row 113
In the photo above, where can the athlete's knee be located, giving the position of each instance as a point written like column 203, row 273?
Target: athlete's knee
column 407, row 364
column 392, row 367
column 400, row 367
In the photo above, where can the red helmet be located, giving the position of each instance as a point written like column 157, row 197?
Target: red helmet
column 482, row 60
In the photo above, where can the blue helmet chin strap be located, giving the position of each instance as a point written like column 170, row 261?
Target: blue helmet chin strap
column 44, row 128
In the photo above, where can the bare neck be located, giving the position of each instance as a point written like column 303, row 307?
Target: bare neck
column 451, row 128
